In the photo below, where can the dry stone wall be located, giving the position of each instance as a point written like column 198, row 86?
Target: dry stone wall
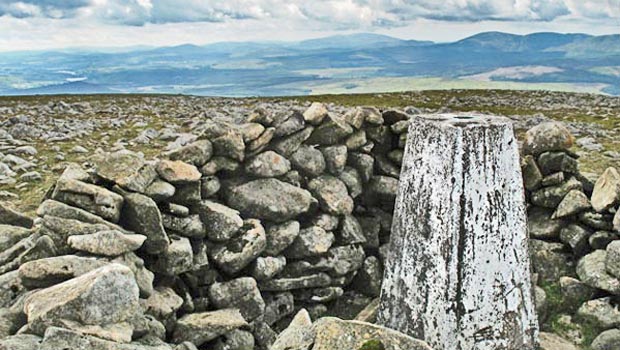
column 227, row 235
column 220, row 241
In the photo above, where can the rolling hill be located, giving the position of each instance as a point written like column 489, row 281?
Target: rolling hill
column 351, row 63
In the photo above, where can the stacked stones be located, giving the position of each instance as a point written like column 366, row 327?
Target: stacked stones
column 573, row 226
column 215, row 245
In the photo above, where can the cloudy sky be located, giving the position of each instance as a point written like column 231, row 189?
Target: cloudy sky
column 44, row 24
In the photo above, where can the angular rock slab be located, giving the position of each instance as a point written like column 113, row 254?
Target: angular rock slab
column 334, row 333
column 107, row 295
column 458, row 272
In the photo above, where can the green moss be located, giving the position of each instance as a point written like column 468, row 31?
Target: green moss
column 373, row 344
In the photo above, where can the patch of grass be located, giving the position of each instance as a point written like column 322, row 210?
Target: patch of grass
column 373, row 344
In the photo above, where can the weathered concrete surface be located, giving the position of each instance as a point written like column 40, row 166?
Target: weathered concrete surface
column 458, row 272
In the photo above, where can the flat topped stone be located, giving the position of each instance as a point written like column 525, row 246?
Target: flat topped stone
column 462, row 120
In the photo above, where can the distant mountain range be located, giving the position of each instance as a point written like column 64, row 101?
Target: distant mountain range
column 336, row 64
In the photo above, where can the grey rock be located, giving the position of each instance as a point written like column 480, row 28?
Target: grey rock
column 196, row 153
column 60, row 338
column 318, row 295
column 612, row 261
column 219, row 163
column 291, row 283
column 235, row 340
column 576, row 237
column 325, row 221
column 600, row 221
column 553, row 179
column 221, row 222
column 264, row 336
column 333, row 333
column 288, row 145
column 107, row 295
column 270, row 199
column 553, row 162
column 606, row 193
column 550, row 260
column 28, row 249
column 242, row 294
column 532, row 177
column 141, row 215
column 332, row 195
column 108, row 243
column 550, row 136
column 31, row 176
column 178, row 258
column 264, row 268
column 311, row 241
column 343, row 260
column 550, row 197
column 331, row 132
column 199, row 328
column 574, row 292
column 573, row 203
column 162, row 304
column 229, row 145
column 608, row 340
column 308, row 160
column 299, row 335
column 290, row 125
column 10, row 235
column 392, row 116
column 356, row 140
column 53, row 270
column 209, row 186
column 351, row 231
column 120, row 167
column 250, row 131
column 368, row 279
column 233, row 256
column 600, row 239
column 190, row 226
column 278, row 306
column 591, row 271
column 261, row 142
column 371, row 226
column 268, row 164
column 187, row 193
column 20, row 342
column 382, row 188
column 315, row 113
column 601, row 313
column 177, row 172
column 363, row 163
column 352, row 180
column 94, row 199
column 160, row 191
column 335, row 158
column 280, row 236
column 144, row 277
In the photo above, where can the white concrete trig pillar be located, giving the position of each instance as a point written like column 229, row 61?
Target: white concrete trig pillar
column 458, row 272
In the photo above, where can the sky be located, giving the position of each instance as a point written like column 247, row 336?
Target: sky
column 50, row 24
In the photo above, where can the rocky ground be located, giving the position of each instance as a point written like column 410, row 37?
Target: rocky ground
column 232, row 214
column 39, row 135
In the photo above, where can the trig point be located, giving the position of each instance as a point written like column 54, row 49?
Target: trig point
column 458, row 272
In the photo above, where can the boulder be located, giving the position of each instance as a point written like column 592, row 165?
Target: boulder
column 61, row 338
column 236, row 254
column 199, row 328
column 332, row 195
column 552, row 196
column 309, row 161
column 196, row 153
column 600, row 313
column 280, row 236
column 331, row 132
column 334, row 333
column 267, row 164
column 177, row 172
column 608, row 340
column 592, row 271
column 290, row 125
column 270, row 199
column 50, row 271
column 606, row 193
column 242, row 294
column 291, row 283
column 550, row 136
column 315, row 113
column 335, row 158
column 108, row 243
column 229, row 145
column 221, row 222
column 573, row 203
column 178, row 258
column 141, row 215
column 265, row 268
column 299, row 335
column 311, row 241
column 550, row 341
column 108, row 295
column 8, row 216
column 94, row 199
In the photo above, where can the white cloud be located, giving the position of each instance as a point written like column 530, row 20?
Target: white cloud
column 31, row 24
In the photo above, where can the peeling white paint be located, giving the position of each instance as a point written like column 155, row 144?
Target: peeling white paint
column 458, row 274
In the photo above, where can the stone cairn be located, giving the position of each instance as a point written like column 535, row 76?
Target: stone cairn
column 573, row 224
column 220, row 242
column 215, row 245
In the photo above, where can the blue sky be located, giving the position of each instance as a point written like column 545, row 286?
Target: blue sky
column 36, row 24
